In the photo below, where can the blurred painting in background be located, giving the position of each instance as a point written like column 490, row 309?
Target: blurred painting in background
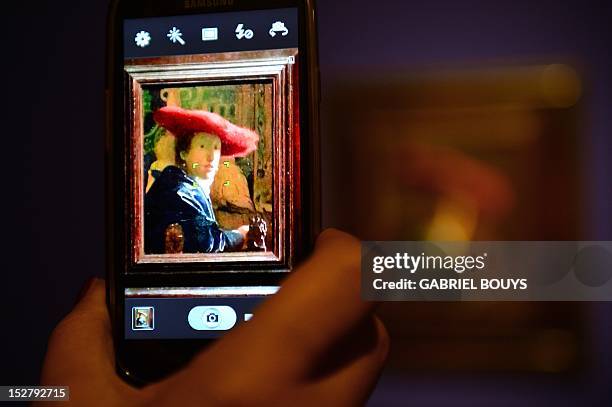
column 470, row 154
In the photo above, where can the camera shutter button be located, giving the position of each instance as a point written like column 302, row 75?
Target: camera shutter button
column 214, row 318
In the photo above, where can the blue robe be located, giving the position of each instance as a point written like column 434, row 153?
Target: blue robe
column 177, row 198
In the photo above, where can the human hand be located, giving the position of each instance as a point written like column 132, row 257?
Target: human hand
column 315, row 343
column 244, row 232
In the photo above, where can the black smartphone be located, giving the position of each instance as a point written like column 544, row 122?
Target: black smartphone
column 212, row 157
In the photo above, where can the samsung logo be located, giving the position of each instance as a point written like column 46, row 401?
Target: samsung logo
column 208, row 3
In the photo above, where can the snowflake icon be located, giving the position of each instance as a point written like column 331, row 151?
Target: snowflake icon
column 143, row 39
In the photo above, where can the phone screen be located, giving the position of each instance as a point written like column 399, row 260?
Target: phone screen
column 212, row 118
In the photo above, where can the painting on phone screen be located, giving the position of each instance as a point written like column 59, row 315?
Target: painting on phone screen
column 210, row 148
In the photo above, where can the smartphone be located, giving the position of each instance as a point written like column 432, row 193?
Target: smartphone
column 212, row 164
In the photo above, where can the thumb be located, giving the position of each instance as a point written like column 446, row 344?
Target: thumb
column 81, row 344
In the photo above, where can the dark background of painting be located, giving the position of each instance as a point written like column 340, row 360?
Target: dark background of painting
column 52, row 111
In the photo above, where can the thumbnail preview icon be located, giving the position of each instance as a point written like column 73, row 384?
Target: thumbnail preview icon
column 143, row 318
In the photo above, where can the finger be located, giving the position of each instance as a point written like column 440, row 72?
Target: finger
column 352, row 383
column 316, row 306
column 80, row 355
column 348, row 383
column 346, row 378
column 367, row 337
column 82, row 341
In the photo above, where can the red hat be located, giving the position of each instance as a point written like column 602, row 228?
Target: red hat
column 235, row 141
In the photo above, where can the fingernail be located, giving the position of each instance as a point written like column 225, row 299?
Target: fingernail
column 85, row 289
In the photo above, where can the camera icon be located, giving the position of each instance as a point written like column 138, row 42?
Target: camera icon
column 215, row 318
column 212, row 318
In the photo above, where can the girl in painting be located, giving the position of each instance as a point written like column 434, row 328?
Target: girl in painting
column 180, row 196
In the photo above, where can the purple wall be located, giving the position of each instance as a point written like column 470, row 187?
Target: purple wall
column 370, row 38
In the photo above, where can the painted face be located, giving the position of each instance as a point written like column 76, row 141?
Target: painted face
column 203, row 157
column 164, row 148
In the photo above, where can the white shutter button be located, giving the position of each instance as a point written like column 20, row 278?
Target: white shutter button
column 215, row 318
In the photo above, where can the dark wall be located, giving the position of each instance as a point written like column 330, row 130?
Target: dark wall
column 53, row 118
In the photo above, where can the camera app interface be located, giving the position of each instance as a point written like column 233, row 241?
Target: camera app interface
column 213, row 106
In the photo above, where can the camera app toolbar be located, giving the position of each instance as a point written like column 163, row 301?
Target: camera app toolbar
column 211, row 33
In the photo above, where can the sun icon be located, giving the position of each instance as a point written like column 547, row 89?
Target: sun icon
column 143, row 39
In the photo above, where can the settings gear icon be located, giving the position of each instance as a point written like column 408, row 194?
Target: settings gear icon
column 143, row 39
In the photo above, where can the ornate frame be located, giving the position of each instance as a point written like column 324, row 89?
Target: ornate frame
column 278, row 66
